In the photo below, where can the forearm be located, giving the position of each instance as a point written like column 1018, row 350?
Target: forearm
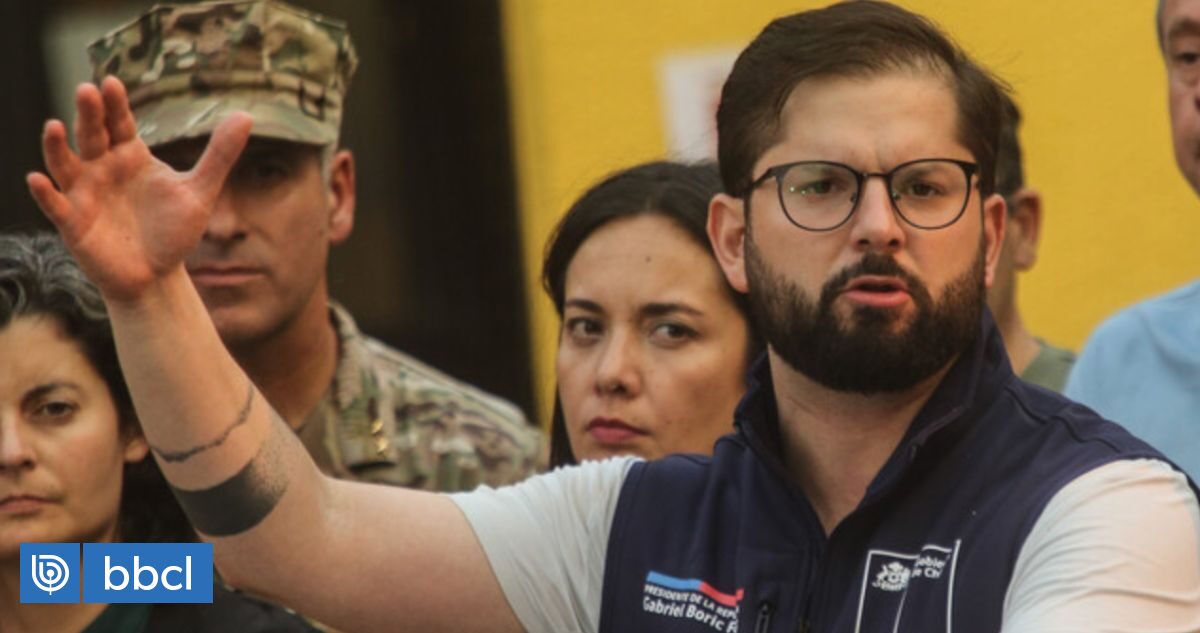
column 280, row 528
column 187, row 390
column 221, row 447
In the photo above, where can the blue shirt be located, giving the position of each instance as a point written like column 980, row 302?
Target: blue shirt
column 1141, row 368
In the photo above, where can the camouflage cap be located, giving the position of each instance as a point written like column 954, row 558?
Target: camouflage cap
column 186, row 66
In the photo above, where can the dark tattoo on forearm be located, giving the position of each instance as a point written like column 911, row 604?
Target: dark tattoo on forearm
column 184, row 455
column 245, row 499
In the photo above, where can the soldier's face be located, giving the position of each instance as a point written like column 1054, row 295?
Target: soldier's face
column 261, row 263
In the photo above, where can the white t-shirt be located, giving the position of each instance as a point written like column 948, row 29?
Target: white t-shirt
column 1118, row 550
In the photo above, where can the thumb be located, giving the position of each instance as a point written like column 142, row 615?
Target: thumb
column 224, row 147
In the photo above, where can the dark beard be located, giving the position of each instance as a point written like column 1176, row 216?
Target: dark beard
column 864, row 354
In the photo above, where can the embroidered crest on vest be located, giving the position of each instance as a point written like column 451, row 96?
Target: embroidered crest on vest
column 893, row 577
column 893, row 580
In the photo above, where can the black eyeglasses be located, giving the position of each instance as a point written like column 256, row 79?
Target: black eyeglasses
column 818, row 195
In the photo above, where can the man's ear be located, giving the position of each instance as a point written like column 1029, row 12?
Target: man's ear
column 994, row 217
column 727, row 233
column 341, row 196
column 1025, row 227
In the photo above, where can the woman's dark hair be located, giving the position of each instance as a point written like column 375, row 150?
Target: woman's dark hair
column 677, row 191
column 39, row 278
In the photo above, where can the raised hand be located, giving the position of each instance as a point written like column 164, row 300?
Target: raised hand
column 128, row 218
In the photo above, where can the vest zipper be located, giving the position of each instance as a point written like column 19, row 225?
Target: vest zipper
column 763, row 622
column 817, row 579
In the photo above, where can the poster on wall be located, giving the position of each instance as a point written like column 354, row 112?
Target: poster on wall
column 690, row 84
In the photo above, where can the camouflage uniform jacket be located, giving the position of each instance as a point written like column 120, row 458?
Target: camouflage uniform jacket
column 389, row 418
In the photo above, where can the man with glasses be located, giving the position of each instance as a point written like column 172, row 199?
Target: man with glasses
column 888, row 472
column 1032, row 358
column 1141, row 367
column 365, row 411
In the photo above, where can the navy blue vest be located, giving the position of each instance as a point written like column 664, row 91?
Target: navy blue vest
column 729, row 544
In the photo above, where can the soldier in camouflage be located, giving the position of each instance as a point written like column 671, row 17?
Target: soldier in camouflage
column 365, row 411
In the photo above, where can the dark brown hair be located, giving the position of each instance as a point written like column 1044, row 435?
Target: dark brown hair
column 858, row 38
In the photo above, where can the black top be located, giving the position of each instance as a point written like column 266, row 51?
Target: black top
column 230, row 612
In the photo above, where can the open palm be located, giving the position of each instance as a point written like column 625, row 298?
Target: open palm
column 128, row 218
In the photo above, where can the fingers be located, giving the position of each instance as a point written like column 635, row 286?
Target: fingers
column 117, row 116
column 52, row 203
column 224, row 147
column 91, row 133
column 61, row 162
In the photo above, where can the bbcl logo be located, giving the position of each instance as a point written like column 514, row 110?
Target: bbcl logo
column 49, row 572
column 138, row 571
column 116, row 572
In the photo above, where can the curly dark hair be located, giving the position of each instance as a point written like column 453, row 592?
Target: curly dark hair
column 38, row 277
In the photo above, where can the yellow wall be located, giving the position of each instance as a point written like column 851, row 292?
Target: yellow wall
column 1120, row 222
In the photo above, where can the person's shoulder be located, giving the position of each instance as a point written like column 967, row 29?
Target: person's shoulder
column 605, row 473
column 1056, row 354
column 681, row 464
column 1133, row 343
column 434, row 387
column 1186, row 297
column 589, row 476
column 433, row 417
column 578, row 488
column 682, row 478
column 1050, row 367
column 1072, row 436
column 421, row 385
column 1150, row 314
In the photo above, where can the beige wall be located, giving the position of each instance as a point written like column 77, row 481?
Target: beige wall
column 1120, row 223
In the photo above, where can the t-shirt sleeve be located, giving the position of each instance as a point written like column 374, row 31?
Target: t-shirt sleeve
column 1116, row 550
column 546, row 539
